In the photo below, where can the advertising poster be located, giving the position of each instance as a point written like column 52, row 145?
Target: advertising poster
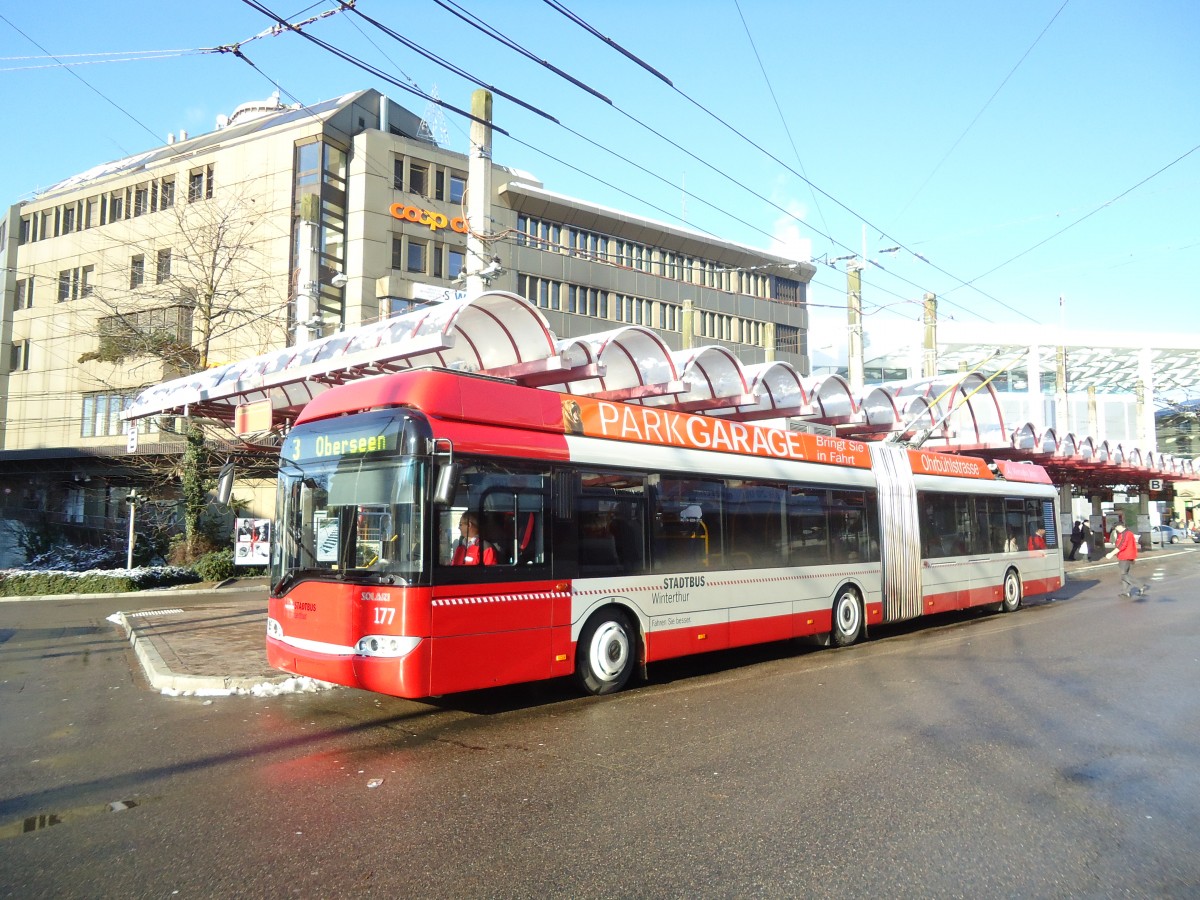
column 253, row 545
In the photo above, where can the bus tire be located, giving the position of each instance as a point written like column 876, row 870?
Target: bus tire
column 606, row 652
column 1013, row 592
column 847, row 623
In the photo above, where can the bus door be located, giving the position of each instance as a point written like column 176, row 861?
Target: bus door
column 946, row 544
column 988, row 540
column 493, row 601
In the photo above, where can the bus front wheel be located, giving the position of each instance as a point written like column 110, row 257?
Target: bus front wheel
column 847, row 619
column 606, row 652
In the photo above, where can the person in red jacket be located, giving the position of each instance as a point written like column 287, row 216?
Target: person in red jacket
column 470, row 550
column 1125, row 550
column 1037, row 540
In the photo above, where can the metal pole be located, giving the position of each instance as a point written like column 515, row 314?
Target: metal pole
column 929, row 356
column 854, row 323
column 479, row 192
column 132, row 536
column 308, row 268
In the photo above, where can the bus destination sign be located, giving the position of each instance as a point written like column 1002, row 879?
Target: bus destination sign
column 369, row 437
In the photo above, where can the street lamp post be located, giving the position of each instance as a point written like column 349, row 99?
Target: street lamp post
column 133, row 500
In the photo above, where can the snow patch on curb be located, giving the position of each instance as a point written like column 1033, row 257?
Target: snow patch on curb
column 293, row 685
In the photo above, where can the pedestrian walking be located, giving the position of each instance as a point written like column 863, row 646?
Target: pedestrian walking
column 1076, row 539
column 1125, row 550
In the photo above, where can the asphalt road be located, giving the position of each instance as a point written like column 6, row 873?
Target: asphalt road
column 1048, row 753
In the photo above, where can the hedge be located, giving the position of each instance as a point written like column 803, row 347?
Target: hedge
column 27, row 583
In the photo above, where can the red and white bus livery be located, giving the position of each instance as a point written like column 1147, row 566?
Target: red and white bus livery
column 606, row 536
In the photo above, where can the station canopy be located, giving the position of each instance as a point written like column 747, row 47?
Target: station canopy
column 503, row 335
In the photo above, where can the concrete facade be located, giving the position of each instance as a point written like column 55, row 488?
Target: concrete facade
column 186, row 256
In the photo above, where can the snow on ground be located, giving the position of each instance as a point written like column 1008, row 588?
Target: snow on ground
column 295, row 685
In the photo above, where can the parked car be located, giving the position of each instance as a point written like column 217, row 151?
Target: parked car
column 1165, row 534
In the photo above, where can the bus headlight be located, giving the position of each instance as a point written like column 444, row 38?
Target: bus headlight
column 274, row 629
column 387, row 645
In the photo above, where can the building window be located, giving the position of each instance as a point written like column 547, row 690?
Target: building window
column 68, row 285
column 163, row 272
column 398, row 174
column 24, row 295
column 102, row 415
column 166, row 196
column 418, row 180
column 165, row 332
column 68, row 221
column 18, row 360
column 23, row 237
column 439, row 185
column 116, row 207
column 458, row 188
column 415, row 259
column 141, row 200
column 397, row 253
column 457, row 257
column 200, row 184
column 787, row 338
column 787, row 290
column 137, row 271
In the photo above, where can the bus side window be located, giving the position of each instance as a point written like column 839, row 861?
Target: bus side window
column 508, row 502
column 610, row 536
column 755, row 514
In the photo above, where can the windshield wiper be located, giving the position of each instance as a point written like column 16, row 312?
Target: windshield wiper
column 291, row 577
column 368, row 575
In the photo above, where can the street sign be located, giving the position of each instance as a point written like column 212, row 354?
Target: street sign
column 131, row 437
column 1156, row 484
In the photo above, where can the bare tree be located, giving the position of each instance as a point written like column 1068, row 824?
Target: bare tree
column 202, row 289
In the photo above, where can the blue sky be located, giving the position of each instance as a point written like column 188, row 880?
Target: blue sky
column 1034, row 148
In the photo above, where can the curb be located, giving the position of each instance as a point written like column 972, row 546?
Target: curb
column 162, row 679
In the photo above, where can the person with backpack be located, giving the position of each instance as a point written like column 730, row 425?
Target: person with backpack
column 1125, row 550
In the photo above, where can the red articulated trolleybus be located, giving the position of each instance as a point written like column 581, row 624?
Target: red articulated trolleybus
column 612, row 535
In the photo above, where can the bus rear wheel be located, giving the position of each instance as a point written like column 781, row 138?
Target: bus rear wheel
column 1012, row 592
column 606, row 652
column 847, row 618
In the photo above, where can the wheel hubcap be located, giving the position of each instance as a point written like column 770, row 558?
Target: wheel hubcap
column 609, row 650
column 847, row 615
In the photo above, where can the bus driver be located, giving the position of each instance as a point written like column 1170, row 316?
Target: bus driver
column 470, row 550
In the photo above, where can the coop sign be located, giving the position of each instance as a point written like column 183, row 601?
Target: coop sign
column 435, row 221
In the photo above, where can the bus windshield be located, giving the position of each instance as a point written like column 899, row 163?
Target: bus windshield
column 352, row 517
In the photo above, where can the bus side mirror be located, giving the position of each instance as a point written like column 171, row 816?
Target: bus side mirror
column 225, row 483
column 447, row 483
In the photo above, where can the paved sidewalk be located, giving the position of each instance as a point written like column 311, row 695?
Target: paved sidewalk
column 217, row 648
